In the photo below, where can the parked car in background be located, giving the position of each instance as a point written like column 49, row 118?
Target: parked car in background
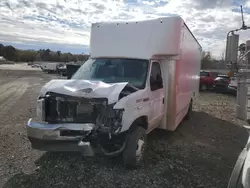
column 49, row 67
column 35, row 66
column 207, row 79
column 232, row 87
column 225, row 84
column 241, row 172
column 62, row 69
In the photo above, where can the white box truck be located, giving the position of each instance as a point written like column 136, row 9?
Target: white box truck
column 141, row 75
column 49, row 67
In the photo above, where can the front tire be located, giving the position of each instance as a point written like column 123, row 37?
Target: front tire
column 135, row 147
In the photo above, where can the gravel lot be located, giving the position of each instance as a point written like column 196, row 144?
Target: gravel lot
column 200, row 153
column 19, row 66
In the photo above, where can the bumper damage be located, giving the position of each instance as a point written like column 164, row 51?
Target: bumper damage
column 59, row 137
column 79, row 137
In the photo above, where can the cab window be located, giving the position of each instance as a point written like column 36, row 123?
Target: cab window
column 156, row 77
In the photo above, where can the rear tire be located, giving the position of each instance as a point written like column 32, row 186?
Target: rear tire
column 135, row 147
column 190, row 111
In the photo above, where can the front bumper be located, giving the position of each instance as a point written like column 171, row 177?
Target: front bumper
column 221, row 86
column 232, row 90
column 225, row 89
column 60, row 137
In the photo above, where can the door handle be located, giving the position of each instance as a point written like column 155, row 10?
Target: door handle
column 163, row 100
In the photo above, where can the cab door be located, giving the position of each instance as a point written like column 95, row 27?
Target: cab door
column 156, row 95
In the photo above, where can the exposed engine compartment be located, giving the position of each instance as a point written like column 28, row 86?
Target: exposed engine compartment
column 63, row 108
column 60, row 108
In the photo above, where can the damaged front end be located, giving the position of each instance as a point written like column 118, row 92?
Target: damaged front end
column 73, row 123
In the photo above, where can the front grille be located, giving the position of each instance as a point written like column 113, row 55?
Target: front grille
column 221, row 86
column 68, row 109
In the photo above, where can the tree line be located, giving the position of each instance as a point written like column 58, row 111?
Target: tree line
column 206, row 60
column 10, row 53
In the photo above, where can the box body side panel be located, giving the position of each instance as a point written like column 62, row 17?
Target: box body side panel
column 142, row 39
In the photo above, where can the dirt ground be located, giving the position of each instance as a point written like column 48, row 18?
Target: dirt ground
column 200, row 153
column 19, row 66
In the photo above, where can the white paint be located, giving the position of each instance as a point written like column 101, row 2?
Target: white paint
column 187, row 74
column 141, row 39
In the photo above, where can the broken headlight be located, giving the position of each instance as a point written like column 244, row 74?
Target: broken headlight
column 40, row 109
column 110, row 118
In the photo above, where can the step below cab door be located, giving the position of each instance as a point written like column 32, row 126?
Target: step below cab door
column 156, row 95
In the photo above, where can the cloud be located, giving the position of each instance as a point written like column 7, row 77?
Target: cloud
column 209, row 22
column 211, row 4
column 67, row 22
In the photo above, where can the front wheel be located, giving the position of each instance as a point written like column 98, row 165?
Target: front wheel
column 135, row 147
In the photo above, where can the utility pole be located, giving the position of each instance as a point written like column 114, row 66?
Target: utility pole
column 242, row 106
column 231, row 56
column 242, row 70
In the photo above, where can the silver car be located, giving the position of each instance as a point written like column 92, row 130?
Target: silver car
column 240, row 177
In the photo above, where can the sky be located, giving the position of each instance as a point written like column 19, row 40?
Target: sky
column 65, row 24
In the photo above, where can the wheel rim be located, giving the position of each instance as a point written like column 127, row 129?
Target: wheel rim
column 140, row 148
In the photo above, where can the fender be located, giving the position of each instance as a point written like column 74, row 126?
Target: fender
column 135, row 106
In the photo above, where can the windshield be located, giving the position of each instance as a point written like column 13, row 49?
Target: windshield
column 133, row 71
column 222, row 77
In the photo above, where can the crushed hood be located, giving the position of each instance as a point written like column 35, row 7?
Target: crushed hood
column 85, row 88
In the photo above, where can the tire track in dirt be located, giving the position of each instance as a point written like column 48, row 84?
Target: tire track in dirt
column 10, row 93
column 3, row 81
column 7, row 91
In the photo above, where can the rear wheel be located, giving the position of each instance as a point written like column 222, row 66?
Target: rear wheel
column 190, row 111
column 135, row 147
